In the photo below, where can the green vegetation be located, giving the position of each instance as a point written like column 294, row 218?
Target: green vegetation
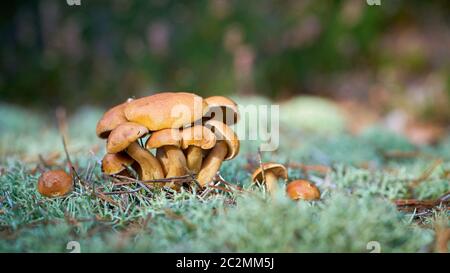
column 356, row 205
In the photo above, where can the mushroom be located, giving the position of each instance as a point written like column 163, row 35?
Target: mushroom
column 116, row 163
column 124, row 138
column 226, row 148
column 169, row 140
column 302, row 189
column 272, row 172
column 111, row 119
column 223, row 109
column 166, row 110
column 55, row 183
column 195, row 140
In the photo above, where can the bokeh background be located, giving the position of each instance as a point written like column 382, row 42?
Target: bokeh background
column 369, row 63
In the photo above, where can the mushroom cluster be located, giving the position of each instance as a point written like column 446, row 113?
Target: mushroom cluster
column 168, row 135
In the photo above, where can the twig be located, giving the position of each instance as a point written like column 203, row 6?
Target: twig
column 107, row 199
column 415, row 203
column 208, row 190
column 61, row 117
column 69, row 161
column 145, row 187
column 220, row 188
column 221, row 179
column 121, row 192
column 43, row 162
column 423, row 205
column 395, row 154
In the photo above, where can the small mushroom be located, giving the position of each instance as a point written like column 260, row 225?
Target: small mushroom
column 111, row 119
column 223, row 109
column 226, row 148
column 169, row 140
column 55, row 183
column 272, row 172
column 116, row 163
column 124, row 138
column 302, row 189
column 166, row 110
column 195, row 140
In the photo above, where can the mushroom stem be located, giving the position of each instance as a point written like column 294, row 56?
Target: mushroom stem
column 271, row 182
column 212, row 163
column 151, row 169
column 162, row 157
column 176, row 161
column 194, row 158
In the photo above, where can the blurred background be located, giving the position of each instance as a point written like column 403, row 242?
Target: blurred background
column 345, row 62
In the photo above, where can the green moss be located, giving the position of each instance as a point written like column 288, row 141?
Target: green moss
column 355, row 209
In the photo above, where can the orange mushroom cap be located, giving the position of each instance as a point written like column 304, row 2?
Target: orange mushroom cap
column 164, row 137
column 110, row 120
column 122, row 136
column 115, row 163
column 224, row 107
column 199, row 136
column 166, row 110
column 277, row 169
column 302, row 189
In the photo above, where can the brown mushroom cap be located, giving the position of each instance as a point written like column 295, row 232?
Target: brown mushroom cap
column 110, row 120
column 122, row 136
column 115, row 163
column 302, row 189
column 277, row 169
column 166, row 110
column 199, row 136
column 55, row 183
column 226, row 107
column 223, row 132
column 164, row 137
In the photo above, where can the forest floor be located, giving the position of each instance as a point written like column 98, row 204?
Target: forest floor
column 363, row 178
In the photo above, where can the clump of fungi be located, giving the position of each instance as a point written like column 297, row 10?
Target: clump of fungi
column 269, row 174
column 169, row 134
